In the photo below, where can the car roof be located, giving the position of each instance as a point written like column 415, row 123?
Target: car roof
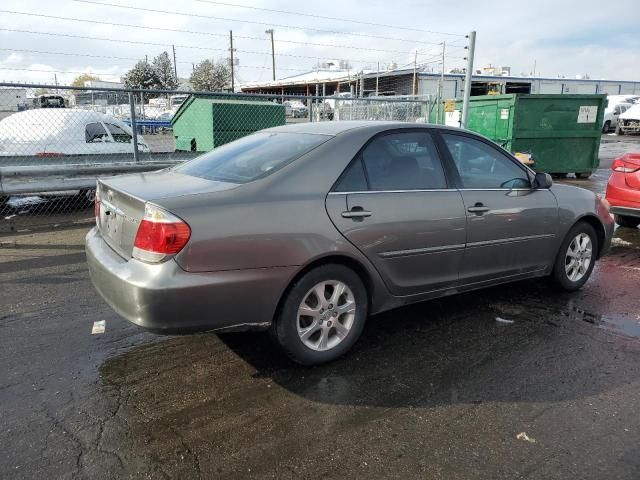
column 342, row 126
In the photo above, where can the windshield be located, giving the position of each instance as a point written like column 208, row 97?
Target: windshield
column 251, row 157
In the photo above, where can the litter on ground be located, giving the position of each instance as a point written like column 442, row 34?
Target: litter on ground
column 504, row 321
column 525, row 437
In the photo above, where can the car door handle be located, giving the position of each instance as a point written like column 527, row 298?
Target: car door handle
column 356, row 212
column 478, row 209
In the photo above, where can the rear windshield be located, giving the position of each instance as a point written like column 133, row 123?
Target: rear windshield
column 251, row 157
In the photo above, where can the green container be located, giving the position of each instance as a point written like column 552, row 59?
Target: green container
column 204, row 123
column 560, row 132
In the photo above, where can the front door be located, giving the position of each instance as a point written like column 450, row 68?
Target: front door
column 395, row 205
column 510, row 226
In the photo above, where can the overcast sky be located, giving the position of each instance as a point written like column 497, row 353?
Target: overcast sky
column 562, row 37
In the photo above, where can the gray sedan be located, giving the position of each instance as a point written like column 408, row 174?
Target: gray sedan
column 307, row 229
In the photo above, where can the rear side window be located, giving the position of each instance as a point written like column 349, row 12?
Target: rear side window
column 353, row 179
column 94, row 132
column 252, row 157
column 403, row 161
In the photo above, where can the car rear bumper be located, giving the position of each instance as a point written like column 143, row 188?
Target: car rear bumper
column 626, row 211
column 166, row 299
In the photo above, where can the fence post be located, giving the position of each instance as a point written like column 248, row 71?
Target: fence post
column 468, row 79
column 134, row 127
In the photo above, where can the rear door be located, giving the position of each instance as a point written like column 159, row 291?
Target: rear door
column 395, row 205
column 510, row 226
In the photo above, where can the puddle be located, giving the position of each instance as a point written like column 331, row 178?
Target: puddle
column 622, row 324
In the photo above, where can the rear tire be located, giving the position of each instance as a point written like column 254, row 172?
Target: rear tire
column 583, row 175
column 626, row 221
column 619, row 131
column 606, row 127
column 576, row 258
column 314, row 330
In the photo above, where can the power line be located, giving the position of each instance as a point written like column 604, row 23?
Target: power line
column 289, row 12
column 105, row 39
column 212, row 17
column 196, row 32
column 75, row 54
column 104, row 74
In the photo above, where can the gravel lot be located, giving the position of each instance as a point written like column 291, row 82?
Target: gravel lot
column 439, row 390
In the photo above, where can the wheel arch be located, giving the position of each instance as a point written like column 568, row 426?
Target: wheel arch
column 333, row 258
column 597, row 226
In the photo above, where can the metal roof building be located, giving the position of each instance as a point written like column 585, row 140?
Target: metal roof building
column 401, row 82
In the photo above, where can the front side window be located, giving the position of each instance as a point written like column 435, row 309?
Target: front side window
column 482, row 166
column 95, row 133
column 403, row 161
column 119, row 134
column 252, row 157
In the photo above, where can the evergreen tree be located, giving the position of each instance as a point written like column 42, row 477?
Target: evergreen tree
column 211, row 76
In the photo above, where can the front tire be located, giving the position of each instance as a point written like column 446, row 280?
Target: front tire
column 322, row 315
column 576, row 258
column 625, row 221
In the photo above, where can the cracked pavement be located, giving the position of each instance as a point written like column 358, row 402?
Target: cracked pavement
column 438, row 390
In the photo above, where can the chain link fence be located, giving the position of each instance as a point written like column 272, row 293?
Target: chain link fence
column 54, row 148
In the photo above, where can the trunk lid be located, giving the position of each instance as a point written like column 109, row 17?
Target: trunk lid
column 123, row 198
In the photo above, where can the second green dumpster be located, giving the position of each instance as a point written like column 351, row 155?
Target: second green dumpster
column 204, row 123
column 560, row 132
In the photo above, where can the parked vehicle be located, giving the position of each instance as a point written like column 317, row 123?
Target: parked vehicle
column 629, row 121
column 60, row 132
column 307, row 229
column 623, row 190
column 612, row 114
column 49, row 101
column 295, row 109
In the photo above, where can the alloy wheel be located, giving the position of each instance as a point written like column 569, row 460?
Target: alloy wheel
column 578, row 257
column 326, row 315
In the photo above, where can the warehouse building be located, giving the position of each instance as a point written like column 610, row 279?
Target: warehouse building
column 408, row 82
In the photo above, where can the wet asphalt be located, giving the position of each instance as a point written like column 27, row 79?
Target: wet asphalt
column 439, row 390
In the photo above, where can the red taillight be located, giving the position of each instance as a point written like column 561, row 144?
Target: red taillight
column 168, row 238
column 619, row 165
column 159, row 234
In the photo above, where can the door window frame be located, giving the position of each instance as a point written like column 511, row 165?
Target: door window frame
column 449, row 181
column 453, row 169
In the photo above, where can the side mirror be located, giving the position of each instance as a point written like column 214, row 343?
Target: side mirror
column 542, row 181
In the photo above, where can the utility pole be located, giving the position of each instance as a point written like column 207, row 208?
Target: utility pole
column 441, row 88
column 175, row 65
column 231, row 50
column 468, row 80
column 273, row 54
column 377, row 79
column 415, row 72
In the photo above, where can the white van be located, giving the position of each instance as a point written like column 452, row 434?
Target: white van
column 51, row 132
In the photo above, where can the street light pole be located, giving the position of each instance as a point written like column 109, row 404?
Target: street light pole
column 273, row 54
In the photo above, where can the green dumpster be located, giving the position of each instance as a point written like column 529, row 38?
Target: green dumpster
column 560, row 132
column 204, row 123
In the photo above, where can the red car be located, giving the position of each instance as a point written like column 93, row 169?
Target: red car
column 623, row 190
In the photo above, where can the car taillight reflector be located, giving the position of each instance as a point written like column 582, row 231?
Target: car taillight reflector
column 159, row 235
column 96, row 206
column 49, row 154
column 621, row 166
